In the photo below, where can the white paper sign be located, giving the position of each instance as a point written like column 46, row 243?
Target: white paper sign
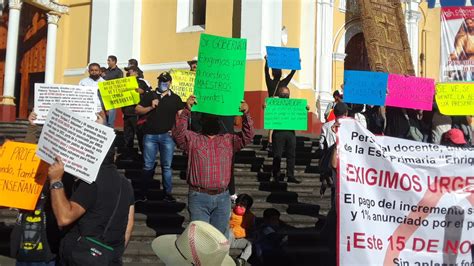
column 403, row 202
column 81, row 100
column 81, row 144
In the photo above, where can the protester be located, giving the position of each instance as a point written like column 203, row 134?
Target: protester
column 273, row 85
column 35, row 237
column 439, row 125
column 160, row 107
column 327, row 145
column 374, row 115
column 337, row 95
column 355, row 111
column 102, row 212
column 199, row 244
column 284, row 141
column 130, row 117
column 454, row 138
column 112, row 72
column 102, row 72
column 193, row 64
column 210, row 163
column 134, row 63
column 397, row 122
column 271, row 241
column 242, row 223
column 93, row 81
column 463, row 123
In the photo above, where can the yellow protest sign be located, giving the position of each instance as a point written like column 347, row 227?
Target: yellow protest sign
column 455, row 98
column 118, row 93
column 22, row 175
column 183, row 83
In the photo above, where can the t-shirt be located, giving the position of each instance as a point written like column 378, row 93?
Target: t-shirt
column 161, row 119
column 113, row 73
column 99, row 200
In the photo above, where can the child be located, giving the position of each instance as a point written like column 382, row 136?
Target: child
column 242, row 222
column 270, row 241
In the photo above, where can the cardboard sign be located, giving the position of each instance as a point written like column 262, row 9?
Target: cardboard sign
column 118, row 93
column 402, row 202
column 410, row 92
column 365, row 87
column 183, row 83
column 220, row 77
column 455, row 98
column 283, row 58
column 81, row 100
column 22, row 175
column 81, row 144
column 286, row 114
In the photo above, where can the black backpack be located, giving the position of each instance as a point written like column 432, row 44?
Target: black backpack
column 28, row 239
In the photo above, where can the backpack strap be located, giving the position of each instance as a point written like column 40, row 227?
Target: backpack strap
column 114, row 212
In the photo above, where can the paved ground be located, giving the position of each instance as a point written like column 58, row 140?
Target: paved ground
column 5, row 261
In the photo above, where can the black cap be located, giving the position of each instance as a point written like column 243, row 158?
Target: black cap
column 165, row 77
column 340, row 109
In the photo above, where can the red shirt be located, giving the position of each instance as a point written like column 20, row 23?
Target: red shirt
column 210, row 159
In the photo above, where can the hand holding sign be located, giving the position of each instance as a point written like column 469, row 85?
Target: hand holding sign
column 56, row 170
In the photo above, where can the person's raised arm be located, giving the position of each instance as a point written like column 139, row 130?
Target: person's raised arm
column 180, row 132
column 288, row 78
column 65, row 211
column 268, row 79
column 32, row 129
column 245, row 137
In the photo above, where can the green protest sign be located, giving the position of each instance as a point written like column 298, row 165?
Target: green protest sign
column 220, row 77
column 285, row 114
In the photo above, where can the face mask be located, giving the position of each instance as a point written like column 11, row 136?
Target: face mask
column 163, row 87
column 284, row 95
column 239, row 210
column 94, row 77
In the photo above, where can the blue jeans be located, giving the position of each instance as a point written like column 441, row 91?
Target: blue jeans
column 165, row 145
column 213, row 209
column 111, row 118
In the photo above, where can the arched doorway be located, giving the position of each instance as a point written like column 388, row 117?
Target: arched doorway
column 356, row 54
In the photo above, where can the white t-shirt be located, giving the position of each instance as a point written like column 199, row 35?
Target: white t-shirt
column 93, row 83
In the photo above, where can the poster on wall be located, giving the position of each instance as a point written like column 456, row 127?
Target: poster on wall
column 457, row 44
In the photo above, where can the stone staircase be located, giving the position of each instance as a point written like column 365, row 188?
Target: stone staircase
column 303, row 210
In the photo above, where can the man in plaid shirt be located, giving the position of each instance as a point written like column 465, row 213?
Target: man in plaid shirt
column 209, row 163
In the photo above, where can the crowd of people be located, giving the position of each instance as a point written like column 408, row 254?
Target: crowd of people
column 92, row 223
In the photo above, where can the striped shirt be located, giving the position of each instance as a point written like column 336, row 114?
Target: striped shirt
column 210, row 159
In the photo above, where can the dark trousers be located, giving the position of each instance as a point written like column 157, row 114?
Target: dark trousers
column 284, row 141
column 140, row 136
column 129, row 130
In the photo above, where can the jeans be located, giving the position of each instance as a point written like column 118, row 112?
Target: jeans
column 165, row 145
column 212, row 209
column 241, row 243
column 111, row 118
column 284, row 140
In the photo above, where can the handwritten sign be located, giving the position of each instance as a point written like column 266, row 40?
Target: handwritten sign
column 79, row 99
column 455, row 98
column 183, row 83
column 410, row 92
column 283, row 57
column 285, row 114
column 22, row 175
column 81, row 144
column 118, row 93
column 220, row 77
column 365, row 87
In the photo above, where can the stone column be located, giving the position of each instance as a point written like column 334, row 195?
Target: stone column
column 324, row 38
column 412, row 17
column 53, row 19
column 7, row 103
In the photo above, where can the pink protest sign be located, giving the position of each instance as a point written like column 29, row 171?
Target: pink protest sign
column 410, row 92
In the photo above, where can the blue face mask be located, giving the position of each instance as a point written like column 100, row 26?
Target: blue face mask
column 164, row 86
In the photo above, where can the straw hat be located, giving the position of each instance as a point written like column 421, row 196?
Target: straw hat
column 200, row 244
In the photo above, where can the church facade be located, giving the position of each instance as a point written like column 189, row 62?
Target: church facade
column 56, row 40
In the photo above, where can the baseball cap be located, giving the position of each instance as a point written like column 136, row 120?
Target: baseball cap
column 165, row 77
column 456, row 136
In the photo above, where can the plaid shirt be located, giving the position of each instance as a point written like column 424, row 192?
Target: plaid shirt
column 210, row 159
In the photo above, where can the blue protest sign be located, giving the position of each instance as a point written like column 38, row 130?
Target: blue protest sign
column 283, row 58
column 365, row 87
